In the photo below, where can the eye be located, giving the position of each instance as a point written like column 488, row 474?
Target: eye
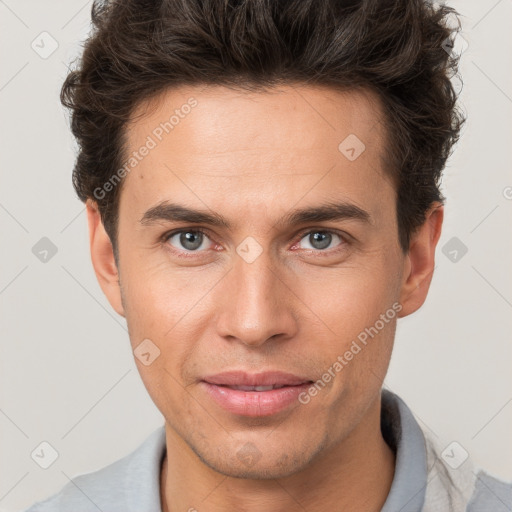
column 320, row 240
column 188, row 240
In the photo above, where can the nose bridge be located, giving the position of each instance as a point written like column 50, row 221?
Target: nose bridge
column 258, row 304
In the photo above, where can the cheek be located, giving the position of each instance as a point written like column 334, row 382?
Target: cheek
column 348, row 300
column 355, row 341
column 361, row 317
column 159, row 307
column 156, row 296
column 172, row 308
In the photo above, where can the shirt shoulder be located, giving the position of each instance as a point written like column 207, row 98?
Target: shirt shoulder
column 130, row 483
column 431, row 476
column 490, row 494
column 87, row 492
column 458, row 485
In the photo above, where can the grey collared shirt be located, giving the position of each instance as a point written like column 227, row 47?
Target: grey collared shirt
column 423, row 480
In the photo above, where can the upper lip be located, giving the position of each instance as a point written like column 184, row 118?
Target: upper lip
column 241, row 378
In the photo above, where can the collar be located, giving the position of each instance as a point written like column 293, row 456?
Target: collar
column 405, row 437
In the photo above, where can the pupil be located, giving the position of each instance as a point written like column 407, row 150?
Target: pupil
column 191, row 240
column 320, row 240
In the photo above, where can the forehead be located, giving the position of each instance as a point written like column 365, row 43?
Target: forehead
column 264, row 148
column 214, row 119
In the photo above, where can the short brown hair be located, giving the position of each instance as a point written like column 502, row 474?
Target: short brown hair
column 139, row 48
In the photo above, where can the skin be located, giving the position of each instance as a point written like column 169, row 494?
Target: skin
column 252, row 158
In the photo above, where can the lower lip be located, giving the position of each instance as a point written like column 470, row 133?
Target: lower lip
column 254, row 403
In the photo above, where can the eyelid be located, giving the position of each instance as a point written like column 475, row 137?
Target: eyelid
column 167, row 235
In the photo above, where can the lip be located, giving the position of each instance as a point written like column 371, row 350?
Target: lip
column 255, row 403
column 241, row 378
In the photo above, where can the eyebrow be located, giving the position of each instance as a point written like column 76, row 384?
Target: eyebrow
column 172, row 212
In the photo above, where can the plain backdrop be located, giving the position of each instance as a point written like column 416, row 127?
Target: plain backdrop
column 67, row 372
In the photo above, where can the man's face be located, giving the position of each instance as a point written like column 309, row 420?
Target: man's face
column 256, row 293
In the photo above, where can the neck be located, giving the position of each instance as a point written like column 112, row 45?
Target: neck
column 356, row 474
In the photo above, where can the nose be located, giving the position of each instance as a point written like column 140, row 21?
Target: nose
column 256, row 303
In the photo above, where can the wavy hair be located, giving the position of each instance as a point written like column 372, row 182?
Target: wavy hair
column 139, row 48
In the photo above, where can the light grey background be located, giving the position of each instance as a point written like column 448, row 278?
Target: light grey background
column 67, row 372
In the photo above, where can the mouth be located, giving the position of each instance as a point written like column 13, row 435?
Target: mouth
column 254, row 388
column 255, row 395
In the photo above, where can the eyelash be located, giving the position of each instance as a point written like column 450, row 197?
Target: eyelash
column 320, row 253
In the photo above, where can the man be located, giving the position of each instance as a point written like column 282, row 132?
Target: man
column 261, row 181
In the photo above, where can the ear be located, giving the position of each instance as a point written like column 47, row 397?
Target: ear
column 102, row 255
column 419, row 262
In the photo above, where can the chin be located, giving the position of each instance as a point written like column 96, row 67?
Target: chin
column 249, row 463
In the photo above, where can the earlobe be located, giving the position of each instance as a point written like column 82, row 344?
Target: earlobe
column 419, row 262
column 102, row 256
